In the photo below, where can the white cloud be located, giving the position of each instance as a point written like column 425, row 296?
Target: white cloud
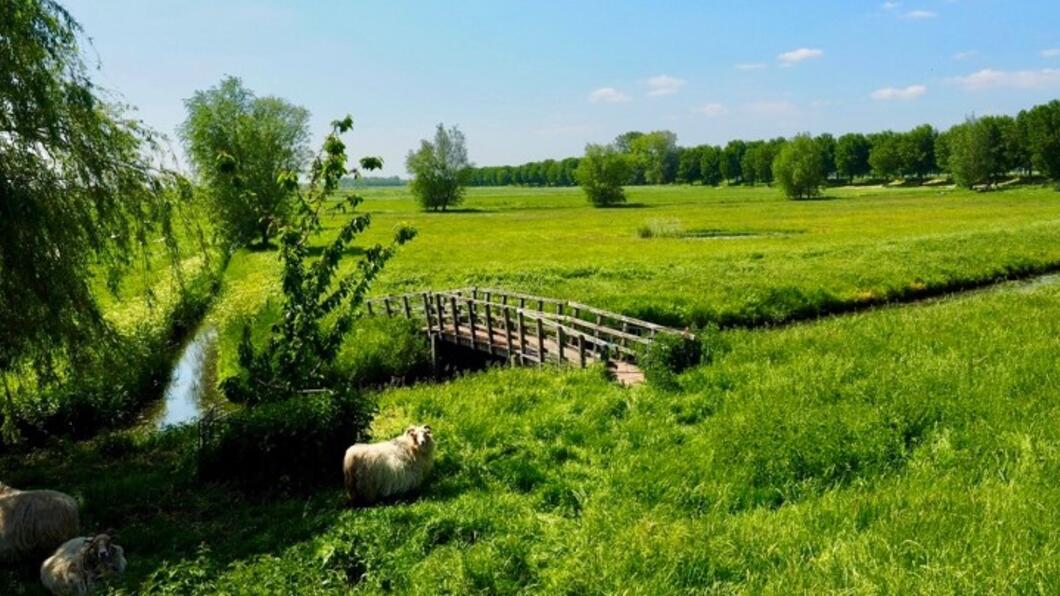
column 711, row 110
column 664, row 85
column 889, row 93
column 1051, row 53
column 919, row 15
column 965, row 55
column 608, row 95
column 771, row 108
column 750, row 66
column 796, row 56
column 989, row 78
column 890, row 5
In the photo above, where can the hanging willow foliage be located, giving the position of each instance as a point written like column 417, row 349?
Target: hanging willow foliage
column 80, row 192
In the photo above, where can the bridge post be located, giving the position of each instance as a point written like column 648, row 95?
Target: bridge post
column 522, row 339
column 559, row 340
column 489, row 327
column 441, row 313
column 427, row 311
column 408, row 309
column 456, row 319
column 581, row 349
column 508, row 333
column 368, row 307
column 471, row 320
column 386, row 303
column 540, row 341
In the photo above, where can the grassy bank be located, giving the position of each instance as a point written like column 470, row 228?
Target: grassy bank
column 908, row 449
column 147, row 315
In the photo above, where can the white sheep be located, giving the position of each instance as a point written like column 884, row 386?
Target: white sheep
column 380, row 470
column 79, row 563
column 35, row 521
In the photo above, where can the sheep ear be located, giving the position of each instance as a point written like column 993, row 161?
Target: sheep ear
column 410, row 431
column 427, row 427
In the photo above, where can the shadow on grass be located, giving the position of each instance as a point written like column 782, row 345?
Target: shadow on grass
column 626, row 206
column 349, row 251
column 148, row 493
column 454, row 210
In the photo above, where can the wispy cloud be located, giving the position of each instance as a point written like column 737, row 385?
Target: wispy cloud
column 965, row 54
column 711, row 110
column 903, row 93
column 664, row 85
column 919, row 15
column 1050, row 53
column 750, row 66
column 795, row 56
column 989, row 78
column 890, row 5
column 771, row 108
column 608, row 95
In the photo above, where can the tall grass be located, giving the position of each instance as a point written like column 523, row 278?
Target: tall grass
column 908, row 449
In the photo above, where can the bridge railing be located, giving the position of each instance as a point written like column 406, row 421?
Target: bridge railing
column 576, row 310
column 525, row 328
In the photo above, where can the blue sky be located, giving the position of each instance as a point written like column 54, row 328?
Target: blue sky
column 532, row 80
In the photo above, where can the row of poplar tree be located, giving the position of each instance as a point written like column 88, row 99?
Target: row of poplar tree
column 977, row 151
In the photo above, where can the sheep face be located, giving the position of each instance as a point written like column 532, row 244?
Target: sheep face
column 422, row 440
column 103, row 557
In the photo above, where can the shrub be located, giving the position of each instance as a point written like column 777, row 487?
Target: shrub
column 380, row 350
column 286, row 443
column 661, row 228
column 601, row 174
column 669, row 355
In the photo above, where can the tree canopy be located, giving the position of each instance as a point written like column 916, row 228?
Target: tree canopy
column 799, row 167
column 440, row 169
column 601, row 173
column 79, row 189
column 239, row 144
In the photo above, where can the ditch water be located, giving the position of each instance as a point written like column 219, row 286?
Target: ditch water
column 192, row 384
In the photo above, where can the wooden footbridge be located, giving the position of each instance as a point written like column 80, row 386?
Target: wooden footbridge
column 527, row 329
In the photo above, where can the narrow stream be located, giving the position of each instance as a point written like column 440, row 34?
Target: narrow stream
column 192, row 385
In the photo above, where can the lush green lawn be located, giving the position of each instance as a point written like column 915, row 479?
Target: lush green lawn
column 867, row 244
column 910, row 448
column 907, row 449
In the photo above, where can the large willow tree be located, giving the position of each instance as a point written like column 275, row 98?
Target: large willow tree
column 79, row 194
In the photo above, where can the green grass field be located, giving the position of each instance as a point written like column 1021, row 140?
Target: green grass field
column 906, row 448
column 863, row 245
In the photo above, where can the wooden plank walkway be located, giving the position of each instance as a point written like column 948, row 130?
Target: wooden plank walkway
column 526, row 329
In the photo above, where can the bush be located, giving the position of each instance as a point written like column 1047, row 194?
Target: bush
column 380, row 350
column 299, row 441
column 601, row 174
column 669, row 355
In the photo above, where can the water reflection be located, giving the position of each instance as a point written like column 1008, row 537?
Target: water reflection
column 192, row 384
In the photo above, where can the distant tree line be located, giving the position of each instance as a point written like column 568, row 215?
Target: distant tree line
column 976, row 152
column 549, row 172
column 371, row 181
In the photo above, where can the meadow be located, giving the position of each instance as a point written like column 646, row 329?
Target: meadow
column 908, row 444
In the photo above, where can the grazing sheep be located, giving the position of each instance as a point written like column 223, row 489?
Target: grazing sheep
column 387, row 469
column 79, row 563
column 35, row 521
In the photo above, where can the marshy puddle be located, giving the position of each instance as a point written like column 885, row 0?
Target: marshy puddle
column 192, row 384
